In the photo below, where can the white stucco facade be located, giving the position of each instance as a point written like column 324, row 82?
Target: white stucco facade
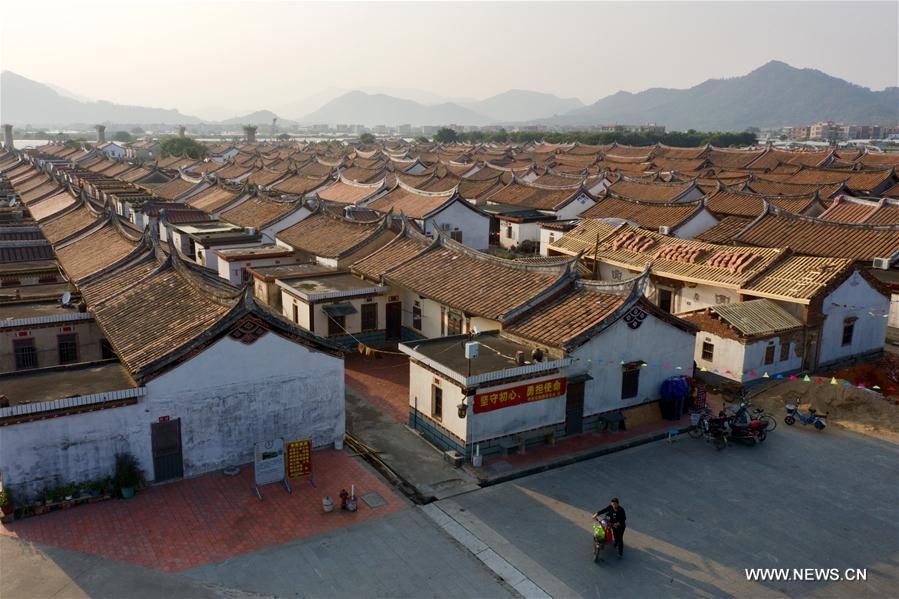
column 474, row 226
column 227, row 397
column 736, row 360
column 854, row 299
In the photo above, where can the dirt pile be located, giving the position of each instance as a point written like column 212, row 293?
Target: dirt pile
column 857, row 409
column 883, row 373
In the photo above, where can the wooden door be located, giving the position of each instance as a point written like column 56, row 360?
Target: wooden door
column 574, row 408
column 394, row 320
column 166, row 440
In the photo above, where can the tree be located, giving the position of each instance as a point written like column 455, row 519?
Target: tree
column 446, row 135
column 367, row 138
column 122, row 136
column 284, row 137
column 183, row 146
column 422, row 139
column 137, row 131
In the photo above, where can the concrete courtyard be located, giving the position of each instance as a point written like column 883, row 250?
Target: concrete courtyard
column 698, row 517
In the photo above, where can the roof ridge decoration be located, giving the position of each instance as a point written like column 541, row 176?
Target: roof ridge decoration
column 565, row 278
column 775, row 211
column 429, row 194
column 446, row 242
column 193, row 279
column 376, row 185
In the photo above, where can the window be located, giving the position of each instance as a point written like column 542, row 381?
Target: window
column 708, row 351
column 509, row 232
column 848, row 330
column 336, row 325
column 25, row 353
column 68, row 348
column 245, row 275
column 666, row 300
column 456, row 235
column 436, row 402
column 784, row 351
column 769, row 354
column 552, row 237
column 369, row 317
column 296, row 313
column 453, row 323
column 311, row 309
column 416, row 316
column 630, row 380
column 106, row 351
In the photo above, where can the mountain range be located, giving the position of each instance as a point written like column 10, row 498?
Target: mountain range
column 772, row 95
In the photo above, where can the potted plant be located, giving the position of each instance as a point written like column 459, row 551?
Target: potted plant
column 127, row 474
column 6, row 502
column 95, row 487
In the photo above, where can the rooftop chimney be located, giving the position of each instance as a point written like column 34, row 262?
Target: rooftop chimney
column 181, row 130
column 250, row 133
column 101, row 134
column 7, row 137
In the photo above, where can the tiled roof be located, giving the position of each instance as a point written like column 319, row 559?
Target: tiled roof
column 417, row 204
column 474, row 282
column 403, row 247
column 259, row 211
column 797, row 278
column 726, row 202
column 174, row 188
column 41, row 191
column 265, row 177
column 818, row 237
column 345, row 192
column 328, row 234
column 567, row 315
column 46, row 208
column 67, row 223
column 759, row 184
column 650, row 215
column 733, row 159
column 724, row 231
column 213, row 199
column 753, row 318
column 298, row 184
column 93, row 252
column 650, row 192
column 850, row 210
column 521, row 194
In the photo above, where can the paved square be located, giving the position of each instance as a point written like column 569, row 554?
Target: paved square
column 698, row 517
column 384, row 382
column 210, row 518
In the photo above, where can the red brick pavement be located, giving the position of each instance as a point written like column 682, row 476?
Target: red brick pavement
column 209, row 518
column 383, row 381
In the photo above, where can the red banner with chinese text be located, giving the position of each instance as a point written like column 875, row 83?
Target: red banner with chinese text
column 521, row 394
column 298, row 459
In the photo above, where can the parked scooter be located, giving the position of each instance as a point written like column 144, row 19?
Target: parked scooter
column 819, row 421
column 713, row 430
column 742, row 427
column 602, row 535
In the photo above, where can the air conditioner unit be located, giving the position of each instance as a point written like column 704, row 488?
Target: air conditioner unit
column 882, row 263
column 665, row 230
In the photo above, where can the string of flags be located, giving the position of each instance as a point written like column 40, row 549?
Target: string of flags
column 806, row 378
column 765, row 375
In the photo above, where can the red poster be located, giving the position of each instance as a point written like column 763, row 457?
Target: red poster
column 514, row 396
column 299, row 458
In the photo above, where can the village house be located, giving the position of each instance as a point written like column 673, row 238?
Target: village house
column 576, row 360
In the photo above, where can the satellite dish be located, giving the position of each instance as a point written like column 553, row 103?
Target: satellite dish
column 66, row 298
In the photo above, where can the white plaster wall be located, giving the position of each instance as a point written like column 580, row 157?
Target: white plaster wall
column 859, row 299
column 693, row 195
column 702, row 221
column 728, row 354
column 545, row 240
column 655, row 342
column 515, row 419
column 894, row 311
column 688, row 299
column 268, row 233
column 430, row 314
column 36, row 456
column 206, row 256
column 475, row 226
column 231, row 271
column 754, row 359
column 420, row 382
column 232, row 395
column 574, row 208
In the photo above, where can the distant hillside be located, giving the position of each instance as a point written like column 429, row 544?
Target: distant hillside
column 523, row 105
column 260, row 117
column 358, row 107
column 773, row 95
column 23, row 101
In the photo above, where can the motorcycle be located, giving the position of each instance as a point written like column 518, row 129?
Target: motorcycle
column 742, row 427
column 713, row 430
column 602, row 535
column 819, row 421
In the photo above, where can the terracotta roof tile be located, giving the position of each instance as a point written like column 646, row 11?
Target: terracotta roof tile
column 259, row 211
column 327, row 234
column 93, row 252
column 650, row 192
column 67, row 223
column 725, row 230
column 818, row 237
column 749, row 205
column 650, row 215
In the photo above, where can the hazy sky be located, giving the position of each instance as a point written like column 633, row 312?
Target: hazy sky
column 240, row 56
